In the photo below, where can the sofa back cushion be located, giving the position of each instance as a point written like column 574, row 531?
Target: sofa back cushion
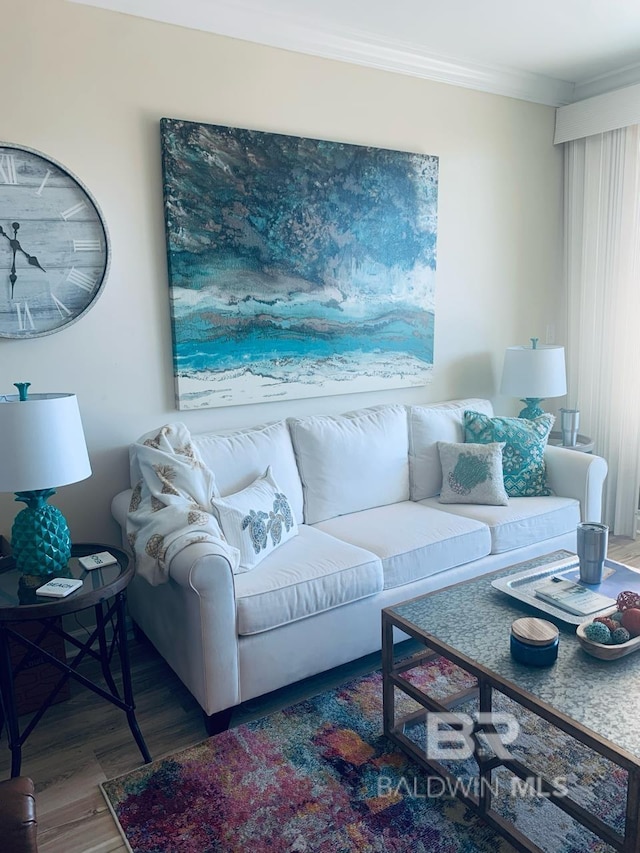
column 351, row 462
column 239, row 457
column 427, row 426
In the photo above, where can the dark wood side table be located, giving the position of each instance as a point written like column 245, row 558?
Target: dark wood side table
column 104, row 590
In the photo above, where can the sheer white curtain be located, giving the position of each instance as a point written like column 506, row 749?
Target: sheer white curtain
column 602, row 240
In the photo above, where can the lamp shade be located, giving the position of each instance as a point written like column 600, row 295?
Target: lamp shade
column 534, row 372
column 42, row 444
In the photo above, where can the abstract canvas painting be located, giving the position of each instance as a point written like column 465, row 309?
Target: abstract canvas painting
column 297, row 267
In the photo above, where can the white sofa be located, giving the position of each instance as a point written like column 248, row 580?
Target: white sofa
column 363, row 488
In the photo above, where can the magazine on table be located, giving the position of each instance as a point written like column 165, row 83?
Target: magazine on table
column 573, row 597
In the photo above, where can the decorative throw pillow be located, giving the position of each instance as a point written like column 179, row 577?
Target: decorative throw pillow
column 472, row 474
column 525, row 474
column 256, row 520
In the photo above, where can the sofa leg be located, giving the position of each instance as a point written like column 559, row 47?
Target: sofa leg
column 218, row 722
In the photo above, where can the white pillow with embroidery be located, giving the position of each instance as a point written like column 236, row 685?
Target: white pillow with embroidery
column 472, row 474
column 256, row 520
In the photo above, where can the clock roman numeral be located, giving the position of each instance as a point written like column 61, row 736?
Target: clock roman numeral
column 82, row 279
column 71, row 211
column 62, row 308
column 87, row 245
column 25, row 320
column 8, row 169
column 43, row 183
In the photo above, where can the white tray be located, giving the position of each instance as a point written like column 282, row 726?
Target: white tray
column 521, row 585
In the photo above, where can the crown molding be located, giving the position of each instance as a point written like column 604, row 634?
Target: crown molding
column 623, row 77
column 248, row 22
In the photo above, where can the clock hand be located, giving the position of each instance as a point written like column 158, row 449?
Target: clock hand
column 12, row 275
column 16, row 247
column 30, row 258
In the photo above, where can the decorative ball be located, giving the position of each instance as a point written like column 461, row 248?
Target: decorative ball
column 616, row 617
column 620, row 635
column 606, row 620
column 598, row 633
column 631, row 621
column 628, row 599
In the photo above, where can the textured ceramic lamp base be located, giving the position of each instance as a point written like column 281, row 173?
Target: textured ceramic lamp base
column 40, row 538
column 532, row 410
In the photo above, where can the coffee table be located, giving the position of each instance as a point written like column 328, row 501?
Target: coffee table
column 596, row 702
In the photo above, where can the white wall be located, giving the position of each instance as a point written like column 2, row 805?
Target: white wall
column 88, row 87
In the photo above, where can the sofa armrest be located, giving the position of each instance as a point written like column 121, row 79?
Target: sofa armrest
column 191, row 620
column 211, row 641
column 18, row 824
column 572, row 474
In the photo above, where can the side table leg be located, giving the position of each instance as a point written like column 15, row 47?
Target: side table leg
column 9, row 702
column 121, row 599
column 104, row 651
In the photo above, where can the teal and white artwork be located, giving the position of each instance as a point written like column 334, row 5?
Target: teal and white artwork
column 297, row 267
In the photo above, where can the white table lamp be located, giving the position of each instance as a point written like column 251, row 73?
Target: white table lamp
column 532, row 374
column 42, row 447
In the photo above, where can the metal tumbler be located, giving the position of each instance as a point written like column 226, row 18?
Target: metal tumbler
column 593, row 539
column 569, row 423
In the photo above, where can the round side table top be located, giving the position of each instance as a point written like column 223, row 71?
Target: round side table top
column 584, row 444
column 19, row 602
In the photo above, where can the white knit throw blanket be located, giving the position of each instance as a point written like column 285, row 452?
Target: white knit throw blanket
column 171, row 503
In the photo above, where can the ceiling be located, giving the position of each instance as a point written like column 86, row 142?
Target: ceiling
column 551, row 51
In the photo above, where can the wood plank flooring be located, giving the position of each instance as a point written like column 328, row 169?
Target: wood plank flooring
column 84, row 741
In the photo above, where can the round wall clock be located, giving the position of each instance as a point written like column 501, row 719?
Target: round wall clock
column 54, row 245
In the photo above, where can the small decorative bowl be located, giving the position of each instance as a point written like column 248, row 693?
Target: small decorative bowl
column 602, row 651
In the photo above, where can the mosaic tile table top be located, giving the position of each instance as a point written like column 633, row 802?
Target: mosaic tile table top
column 474, row 620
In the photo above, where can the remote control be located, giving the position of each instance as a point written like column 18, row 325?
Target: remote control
column 97, row 561
column 59, row 587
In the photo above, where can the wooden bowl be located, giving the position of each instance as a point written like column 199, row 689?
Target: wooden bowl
column 600, row 650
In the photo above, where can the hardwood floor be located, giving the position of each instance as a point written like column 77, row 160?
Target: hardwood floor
column 84, row 741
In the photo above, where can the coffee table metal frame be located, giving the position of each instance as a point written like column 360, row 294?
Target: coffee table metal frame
column 487, row 682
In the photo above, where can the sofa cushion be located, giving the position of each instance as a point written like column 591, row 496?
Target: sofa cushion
column 256, row 520
column 238, row 457
column 472, row 474
column 523, row 522
column 413, row 541
column 309, row 574
column 523, row 465
column 427, row 426
column 351, row 462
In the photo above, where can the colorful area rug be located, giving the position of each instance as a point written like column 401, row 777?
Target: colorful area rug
column 320, row 777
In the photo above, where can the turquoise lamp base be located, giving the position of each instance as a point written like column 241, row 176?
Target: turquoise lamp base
column 532, row 410
column 40, row 538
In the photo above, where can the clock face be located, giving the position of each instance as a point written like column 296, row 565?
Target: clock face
column 54, row 245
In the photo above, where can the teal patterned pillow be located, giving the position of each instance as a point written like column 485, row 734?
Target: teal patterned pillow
column 525, row 474
column 472, row 474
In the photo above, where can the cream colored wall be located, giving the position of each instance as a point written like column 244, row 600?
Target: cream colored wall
column 88, row 87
